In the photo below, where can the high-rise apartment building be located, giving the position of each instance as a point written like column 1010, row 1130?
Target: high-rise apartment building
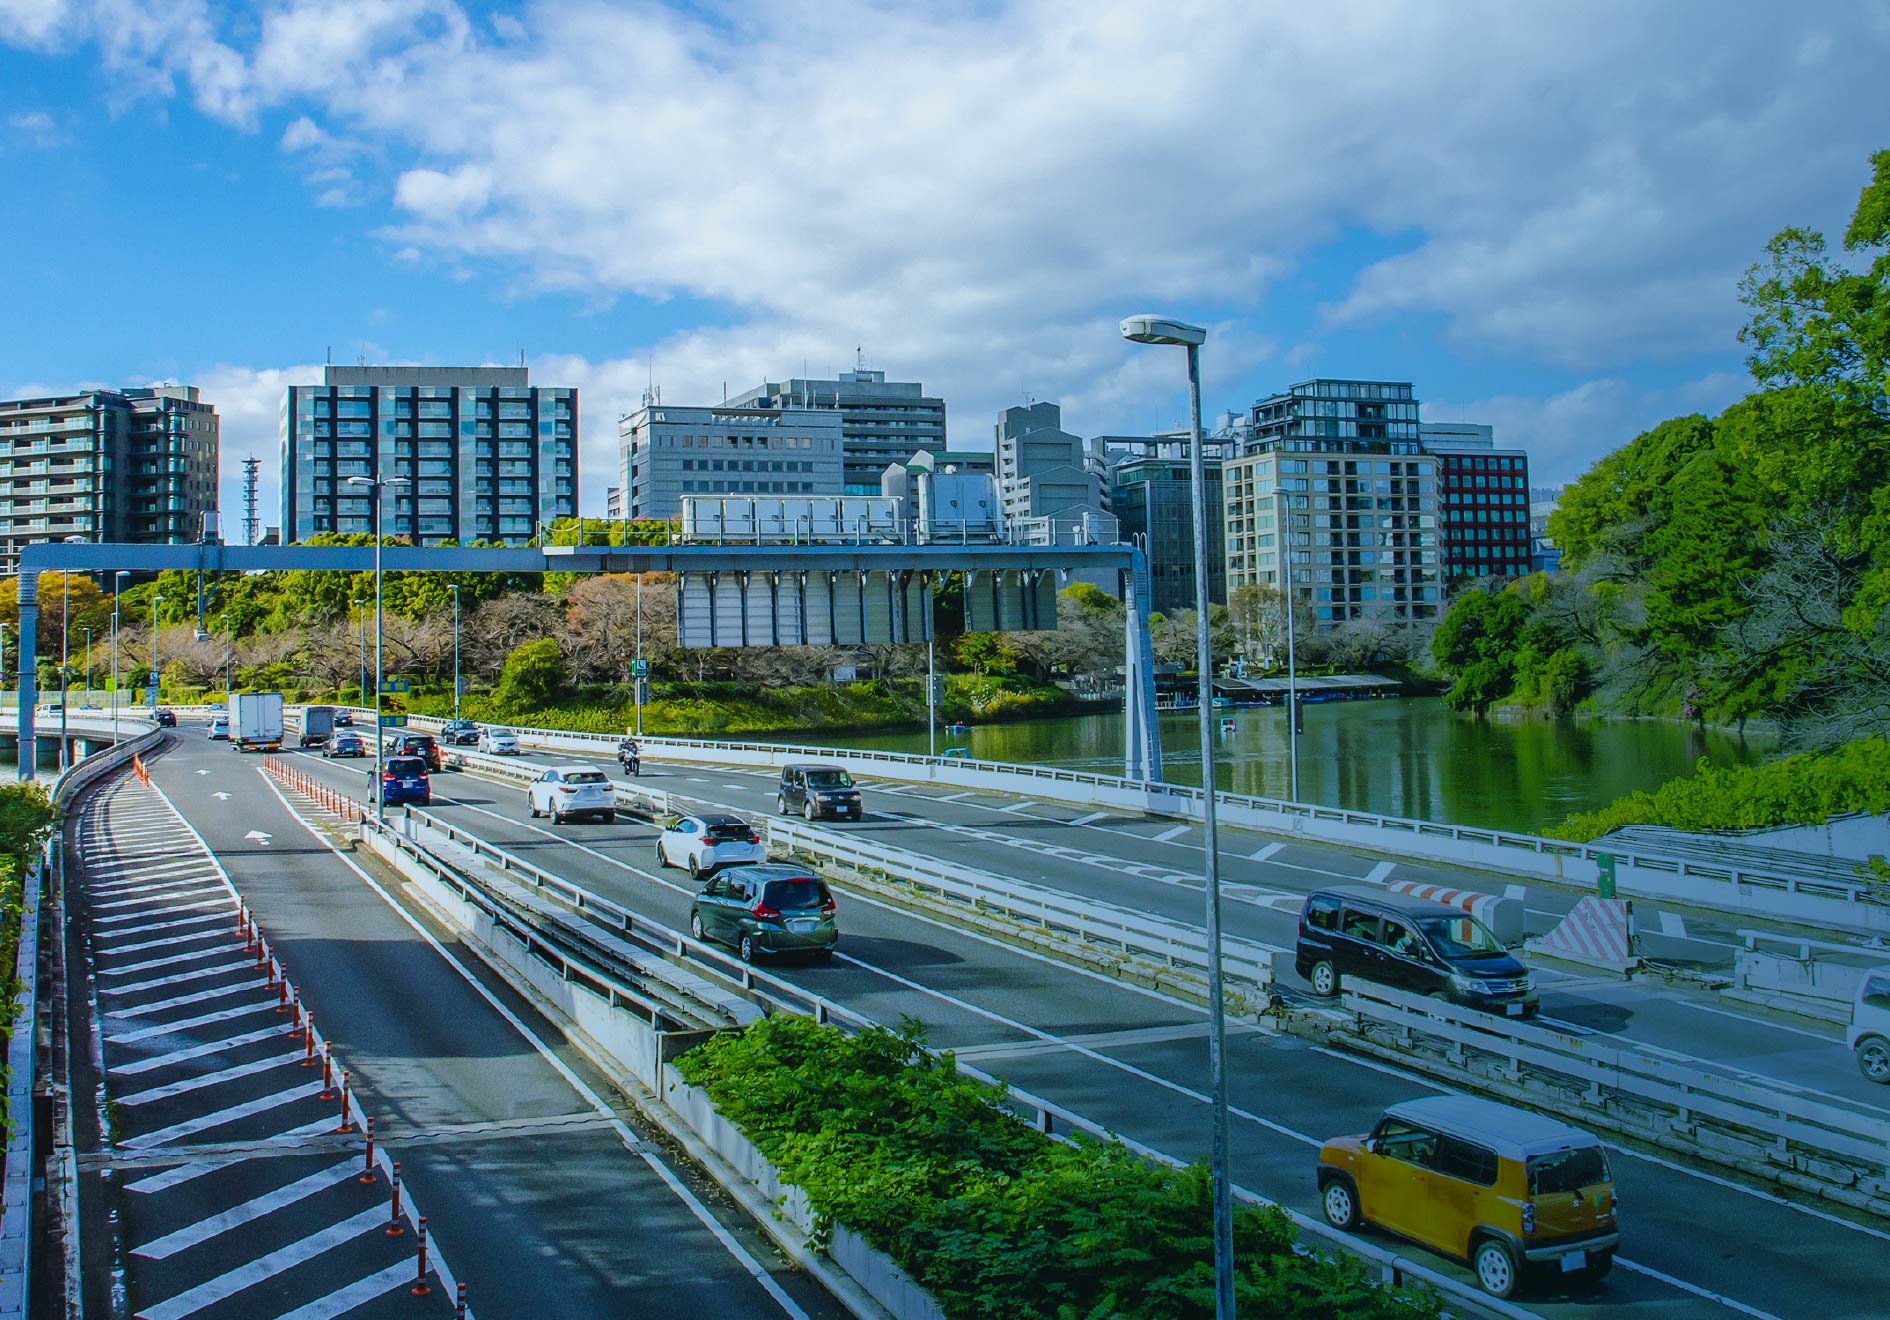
column 1484, row 501
column 666, row 452
column 1342, row 462
column 108, row 465
column 881, row 421
column 488, row 455
column 1152, row 496
column 1043, row 469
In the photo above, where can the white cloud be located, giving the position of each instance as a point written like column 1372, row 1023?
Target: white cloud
column 35, row 130
column 1566, row 432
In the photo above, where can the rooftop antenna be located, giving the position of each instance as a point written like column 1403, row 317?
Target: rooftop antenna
column 360, row 359
column 859, row 358
column 521, row 357
column 328, row 355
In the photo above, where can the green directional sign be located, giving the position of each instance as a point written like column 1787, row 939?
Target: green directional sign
column 639, row 669
column 1604, row 875
column 394, row 685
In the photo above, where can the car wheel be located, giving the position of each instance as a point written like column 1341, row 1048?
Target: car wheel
column 1873, row 1059
column 1495, row 1265
column 695, row 928
column 557, row 817
column 1325, row 979
column 662, row 858
column 746, row 948
column 1340, row 1202
column 780, row 805
column 535, row 812
column 609, row 817
column 695, row 872
column 807, row 809
column 823, row 956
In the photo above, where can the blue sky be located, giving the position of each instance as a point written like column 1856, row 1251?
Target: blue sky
column 1538, row 214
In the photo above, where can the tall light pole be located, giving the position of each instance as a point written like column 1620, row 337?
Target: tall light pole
column 118, row 580
column 1161, row 330
column 3, row 652
column 88, row 663
column 638, row 682
column 1284, row 542
column 375, row 485
column 65, row 666
column 360, row 607
column 229, row 655
column 155, row 685
column 454, row 588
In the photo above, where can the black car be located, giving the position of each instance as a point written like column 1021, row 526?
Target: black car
column 166, row 718
column 344, row 719
column 421, row 745
column 1408, row 944
column 817, row 790
column 459, row 733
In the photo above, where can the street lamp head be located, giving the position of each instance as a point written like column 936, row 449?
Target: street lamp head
column 1147, row 328
column 78, row 540
column 360, row 481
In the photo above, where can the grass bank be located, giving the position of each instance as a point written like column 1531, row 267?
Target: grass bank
column 991, row 1216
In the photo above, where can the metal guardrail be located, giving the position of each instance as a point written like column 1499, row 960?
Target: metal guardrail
column 1834, row 1151
column 1137, row 934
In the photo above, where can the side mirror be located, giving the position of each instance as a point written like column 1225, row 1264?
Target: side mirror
column 1371, row 1145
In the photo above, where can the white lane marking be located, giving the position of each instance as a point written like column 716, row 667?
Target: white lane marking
column 178, row 1001
column 343, row 1300
column 276, row 1262
column 1752, row 1021
column 168, row 942
column 194, row 974
column 205, row 1229
column 133, row 874
column 196, row 1051
column 1673, row 924
column 1559, row 1024
column 1261, row 854
column 630, row 1140
column 170, row 960
column 174, row 907
column 1019, row 806
column 735, row 788
column 1379, row 873
column 204, row 1122
column 217, row 1078
column 183, row 1173
column 960, row 797
column 1090, row 819
column 1706, row 1293
column 202, row 1020
column 1173, row 832
column 157, row 896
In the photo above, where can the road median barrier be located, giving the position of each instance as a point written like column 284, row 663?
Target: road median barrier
column 1763, row 1133
column 1597, row 933
column 1812, row 978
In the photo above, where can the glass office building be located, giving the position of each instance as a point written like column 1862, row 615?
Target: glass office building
column 488, row 456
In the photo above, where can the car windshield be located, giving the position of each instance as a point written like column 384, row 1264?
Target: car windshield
column 784, row 894
column 729, row 830
column 829, row 779
column 586, row 777
column 1461, row 937
column 406, row 765
column 1567, row 1170
column 500, row 733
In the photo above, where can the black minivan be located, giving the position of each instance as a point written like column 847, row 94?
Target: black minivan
column 1408, row 944
column 817, row 790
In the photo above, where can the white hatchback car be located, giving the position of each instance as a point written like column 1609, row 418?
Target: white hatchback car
column 497, row 741
column 569, row 791
column 705, row 844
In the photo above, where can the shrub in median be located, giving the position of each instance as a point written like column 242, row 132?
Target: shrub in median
column 992, row 1217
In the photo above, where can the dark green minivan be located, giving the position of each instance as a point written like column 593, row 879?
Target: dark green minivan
column 766, row 908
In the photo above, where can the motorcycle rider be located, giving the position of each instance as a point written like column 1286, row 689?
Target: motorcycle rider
column 631, row 756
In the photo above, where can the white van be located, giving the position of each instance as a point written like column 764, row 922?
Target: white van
column 1869, row 1036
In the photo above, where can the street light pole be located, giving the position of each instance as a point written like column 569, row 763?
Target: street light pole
column 1161, row 330
column 88, row 664
column 376, row 485
column 157, row 689
column 1284, row 542
column 118, row 580
column 361, row 609
column 229, row 656
column 454, row 588
column 635, row 680
column 65, row 669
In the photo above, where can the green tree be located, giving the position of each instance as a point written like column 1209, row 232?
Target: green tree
column 1477, row 643
column 533, row 676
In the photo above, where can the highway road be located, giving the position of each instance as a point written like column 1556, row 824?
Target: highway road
column 543, row 1186
column 1696, row 1244
column 1153, row 865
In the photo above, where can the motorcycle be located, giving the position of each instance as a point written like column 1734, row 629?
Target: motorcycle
column 632, row 762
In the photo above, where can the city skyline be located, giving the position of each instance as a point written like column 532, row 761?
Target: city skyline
column 1542, row 226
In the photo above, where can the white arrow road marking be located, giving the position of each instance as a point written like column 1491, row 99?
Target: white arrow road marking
column 221, row 797
column 203, row 772
column 259, row 837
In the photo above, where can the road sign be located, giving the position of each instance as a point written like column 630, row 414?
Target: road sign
column 393, row 721
column 394, row 685
column 150, row 695
column 643, row 692
column 639, row 669
column 1604, row 875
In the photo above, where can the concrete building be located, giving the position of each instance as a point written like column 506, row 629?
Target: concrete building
column 613, row 503
column 108, row 465
column 666, row 452
column 881, row 421
column 489, row 455
column 1043, row 469
column 1483, row 502
column 1360, row 498
column 1152, row 497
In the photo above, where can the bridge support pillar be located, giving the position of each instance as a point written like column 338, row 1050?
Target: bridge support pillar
column 29, row 664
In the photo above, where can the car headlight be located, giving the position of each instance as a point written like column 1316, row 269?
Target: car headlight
column 1462, row 984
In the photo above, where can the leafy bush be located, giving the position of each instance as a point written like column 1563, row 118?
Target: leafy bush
column 534, row 674
column 1806, row 789
column 993, row 1217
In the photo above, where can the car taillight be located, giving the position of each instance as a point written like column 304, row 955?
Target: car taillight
column 1529, row 1217
column 762, row 912
column 567, row 788
column 829, row 907
column 1614, row 1202
column 754, row 838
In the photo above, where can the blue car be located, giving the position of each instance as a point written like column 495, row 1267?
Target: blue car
column 403, row 779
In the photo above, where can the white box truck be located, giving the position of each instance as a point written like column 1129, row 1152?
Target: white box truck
column 256, row 721
column 317, row 723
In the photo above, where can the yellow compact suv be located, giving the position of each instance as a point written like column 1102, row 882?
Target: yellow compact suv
column 1501, row 1188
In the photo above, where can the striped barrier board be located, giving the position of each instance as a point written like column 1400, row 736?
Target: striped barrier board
column 1502, row 914
column 1599, row 932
